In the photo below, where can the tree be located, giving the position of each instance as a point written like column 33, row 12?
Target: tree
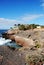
column 33, row 26
column 18, row 24
column 11, row 28
column 15, row 24
column 22, row 27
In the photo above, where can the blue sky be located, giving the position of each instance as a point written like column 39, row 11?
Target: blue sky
column 21, row 11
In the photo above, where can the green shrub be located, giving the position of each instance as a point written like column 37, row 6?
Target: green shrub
column 37, row 45
column 22, row 27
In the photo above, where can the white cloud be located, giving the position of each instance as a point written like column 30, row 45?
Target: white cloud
column 31, row 17
column 41, row 0
column 3, row 19
column 42, row 4
column 7, row 23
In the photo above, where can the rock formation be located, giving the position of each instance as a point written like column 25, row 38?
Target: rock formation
column 22, row 56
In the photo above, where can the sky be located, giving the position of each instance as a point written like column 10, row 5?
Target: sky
column 21, row 12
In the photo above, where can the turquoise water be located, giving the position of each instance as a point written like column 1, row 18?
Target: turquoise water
column 13, row 44
column 8, row 42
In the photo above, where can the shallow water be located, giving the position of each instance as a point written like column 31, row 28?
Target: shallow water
column 12, row 44
column 8, row 42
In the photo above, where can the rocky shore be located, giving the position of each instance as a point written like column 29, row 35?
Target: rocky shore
column 22, row 56
column 31, row 52
column 26, row 38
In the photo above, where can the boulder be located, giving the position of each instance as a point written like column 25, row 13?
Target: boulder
column 26, row 42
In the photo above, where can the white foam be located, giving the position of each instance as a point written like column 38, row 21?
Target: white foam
column 3, row 41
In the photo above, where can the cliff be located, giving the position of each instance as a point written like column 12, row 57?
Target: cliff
column 22, row 56
column 26, row 38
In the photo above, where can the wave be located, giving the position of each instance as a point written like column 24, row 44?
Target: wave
column 4, row 41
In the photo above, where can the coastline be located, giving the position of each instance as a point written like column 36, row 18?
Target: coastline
column 28, row 53
column 26, row 38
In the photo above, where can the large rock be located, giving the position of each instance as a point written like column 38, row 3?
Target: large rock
column 24, row 41
column 12, row 31
column 12, row 37
column 23, row 56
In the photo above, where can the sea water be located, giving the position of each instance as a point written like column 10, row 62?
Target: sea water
column 7, row 42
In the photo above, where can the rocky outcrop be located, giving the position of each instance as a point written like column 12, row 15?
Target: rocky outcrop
column 26, row 38
column 5, row 35
column 13, row 31
column 24, row 41
column 22, row 56
column 9, row 33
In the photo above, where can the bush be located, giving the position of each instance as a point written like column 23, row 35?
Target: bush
column 34, row 59
column 33, row 26
column 26, row 27
column 37, row 44
column 22, row 27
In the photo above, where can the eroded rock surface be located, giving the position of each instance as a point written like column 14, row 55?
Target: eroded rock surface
column 22, row 56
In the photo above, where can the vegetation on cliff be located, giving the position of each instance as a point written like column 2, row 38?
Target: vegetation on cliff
column 27, row 27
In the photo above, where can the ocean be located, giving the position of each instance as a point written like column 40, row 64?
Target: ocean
column 7, row 42
column 3, row 31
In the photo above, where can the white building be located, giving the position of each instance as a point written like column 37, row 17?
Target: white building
column 38, row 27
